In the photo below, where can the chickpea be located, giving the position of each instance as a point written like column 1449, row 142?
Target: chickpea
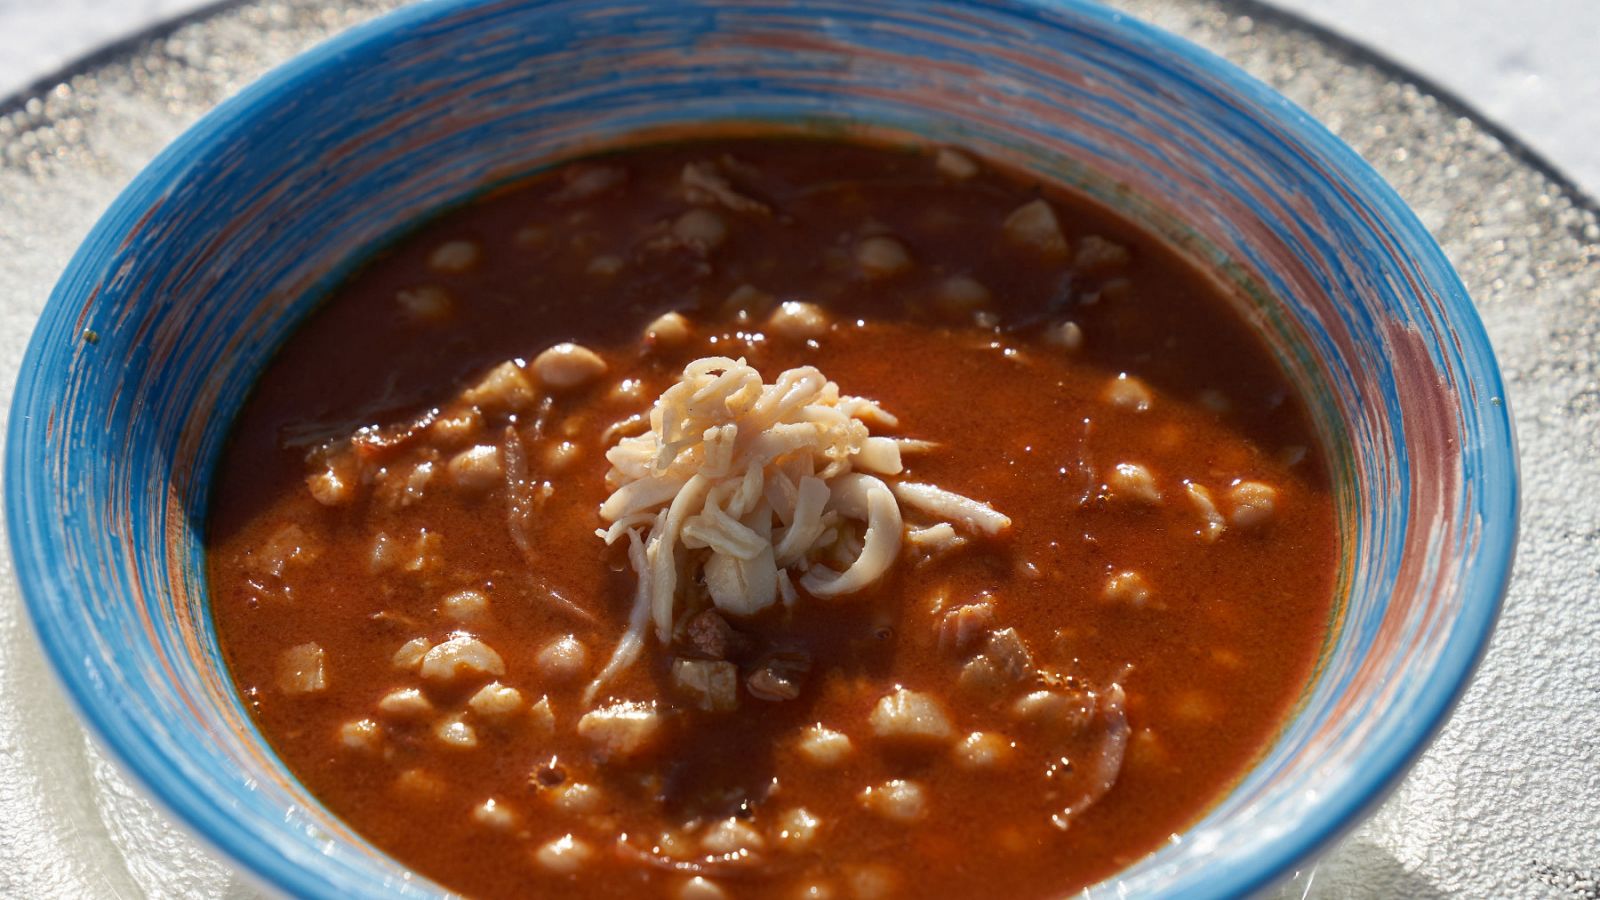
column 1253, row 503
column 492, row 813
column 425, row 303
column 566, row 366
column 476, row 468
column 897, row 800
column 1128, row 393
column 465, row 606
column 669, row 330
column 564, row 855
column 798, row 321
column 1127, row 587
column 1133, row 481
column 701, row 229
column 461, row 656
column 361, row 734
column 954, row 164
column 454, row 257
column 961, row 293
column 405, row 704
column 1034, row 225
column 882, row 257
column 495, row 701
column 564, row 658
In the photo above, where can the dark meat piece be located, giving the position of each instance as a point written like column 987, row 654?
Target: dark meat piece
column 779, row 675
column 709, row 636
column 1007, row 648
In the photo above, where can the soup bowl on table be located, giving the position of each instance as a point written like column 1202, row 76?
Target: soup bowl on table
column 224, row 246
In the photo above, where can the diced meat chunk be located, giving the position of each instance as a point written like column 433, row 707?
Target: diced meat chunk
column 1010, row 652
column 707, row 635
column 779, row 675
column 302, row 669
column 910, row 717
column 622, row 729
column 983, row 678
column 711, row 685
column 965, row 626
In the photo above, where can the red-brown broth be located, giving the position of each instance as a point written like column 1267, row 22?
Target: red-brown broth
column 1211, row 662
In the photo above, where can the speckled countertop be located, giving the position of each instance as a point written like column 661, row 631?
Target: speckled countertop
column 1507, row 801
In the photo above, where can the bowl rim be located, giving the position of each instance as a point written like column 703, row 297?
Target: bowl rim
column 1388, row 758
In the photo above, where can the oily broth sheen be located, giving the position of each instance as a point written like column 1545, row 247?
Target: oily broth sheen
column 1218, row 653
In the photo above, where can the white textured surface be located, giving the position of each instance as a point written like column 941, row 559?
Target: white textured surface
column 1506, row 804
column 1530, row 65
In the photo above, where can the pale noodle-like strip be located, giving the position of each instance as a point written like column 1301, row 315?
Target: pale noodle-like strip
column 773, row 491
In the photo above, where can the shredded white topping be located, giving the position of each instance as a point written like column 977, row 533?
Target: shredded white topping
column 764, row 491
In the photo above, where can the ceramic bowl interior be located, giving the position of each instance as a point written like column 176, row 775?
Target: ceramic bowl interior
column 205, row 264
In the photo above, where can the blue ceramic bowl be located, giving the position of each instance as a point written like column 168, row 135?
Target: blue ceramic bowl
column 211, row 257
